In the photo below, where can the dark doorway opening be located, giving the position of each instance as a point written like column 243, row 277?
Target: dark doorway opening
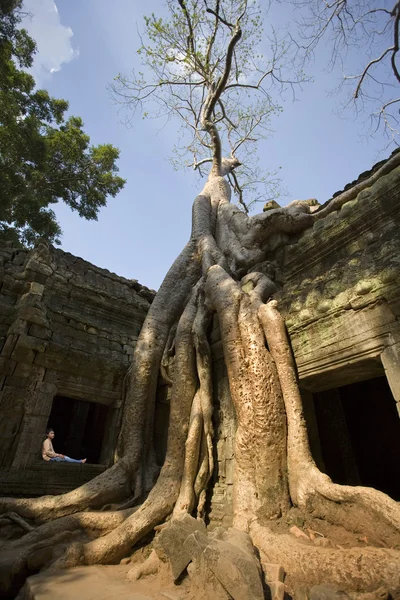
column 79, row 427
column 359, row 432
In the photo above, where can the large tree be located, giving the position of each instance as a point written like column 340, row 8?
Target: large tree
column 44, row 157
column 223, row 270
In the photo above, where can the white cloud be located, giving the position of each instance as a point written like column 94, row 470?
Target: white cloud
column 54, row 40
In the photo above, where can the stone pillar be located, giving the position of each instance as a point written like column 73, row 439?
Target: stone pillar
column 25, row 400
column 391, row 362
column 33, row 425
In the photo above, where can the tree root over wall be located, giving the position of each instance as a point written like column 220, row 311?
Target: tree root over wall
column 221, row 270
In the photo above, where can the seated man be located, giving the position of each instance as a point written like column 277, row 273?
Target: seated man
column 49, row 454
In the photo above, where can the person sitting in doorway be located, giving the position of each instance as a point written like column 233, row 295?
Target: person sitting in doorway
column 49, row 454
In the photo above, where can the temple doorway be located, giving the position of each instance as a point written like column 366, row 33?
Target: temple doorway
column 359, row 435
column 79, row 427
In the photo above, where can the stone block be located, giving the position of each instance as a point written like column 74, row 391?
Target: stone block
column 54, row 317
column 9, row 345
column 7, row 311
column 31, row 343
column 38, row 267
column 7, row 366
column 23, row 354
column 205, row 583
column 50, row 375
column 46, row 387
column 39, row 331
column 277, row 590
column 195, row 544
column 221, row 448
column 169, row 543
column 13, row 285
column 55, row 357
column 18, row 327
column 27, row 382
column 24, row 370
column 232, row 565
column 327, row 591
column 229, row 470
column 273, row 572
column 61, row 339
column 391, row 362
column 36, row 288
column 229, row 446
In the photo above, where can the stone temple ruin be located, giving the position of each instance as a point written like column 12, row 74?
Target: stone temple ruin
column 68, row 328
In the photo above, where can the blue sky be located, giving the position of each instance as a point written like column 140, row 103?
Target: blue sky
column 83, row 46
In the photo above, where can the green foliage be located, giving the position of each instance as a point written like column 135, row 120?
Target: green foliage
column 43, row 157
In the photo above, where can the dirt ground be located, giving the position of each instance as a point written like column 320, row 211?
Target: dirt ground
column 100, row 583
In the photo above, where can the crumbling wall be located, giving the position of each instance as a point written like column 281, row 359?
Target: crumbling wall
column 66, row 328
column 340, row 291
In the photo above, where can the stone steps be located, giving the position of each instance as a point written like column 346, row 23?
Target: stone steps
column 46, row 478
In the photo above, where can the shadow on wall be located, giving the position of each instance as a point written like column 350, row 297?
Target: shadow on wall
column 359, row 435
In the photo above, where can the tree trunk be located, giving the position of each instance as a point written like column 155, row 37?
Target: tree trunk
column 274, row 469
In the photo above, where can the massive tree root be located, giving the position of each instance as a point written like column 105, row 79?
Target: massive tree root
column 218, row 272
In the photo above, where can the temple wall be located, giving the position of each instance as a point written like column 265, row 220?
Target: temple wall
column 340, row 291
column 67, row 328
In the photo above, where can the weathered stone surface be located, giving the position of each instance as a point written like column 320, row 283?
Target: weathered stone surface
column 391, row 362
column 62, row 321
column 228, row 558
column 327, row 591
column 46, row 478
column 277, row 590
column 169, row 543
column 344, row 265
column 273, row 572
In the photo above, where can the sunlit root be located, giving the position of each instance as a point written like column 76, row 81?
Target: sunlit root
column 355, row 568
column 117, row 544
column 149, row 567
column 41, row 546
column 92, row 523
column 198, row 449
column 186, row 497
column 354, row 507
column 260, row 477
column 202, row 478
column 14, row 518
column 110, row 486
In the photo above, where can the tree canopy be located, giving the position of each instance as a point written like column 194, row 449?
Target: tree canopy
column 44, row 156
column 204, row 64
column 362, row 38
